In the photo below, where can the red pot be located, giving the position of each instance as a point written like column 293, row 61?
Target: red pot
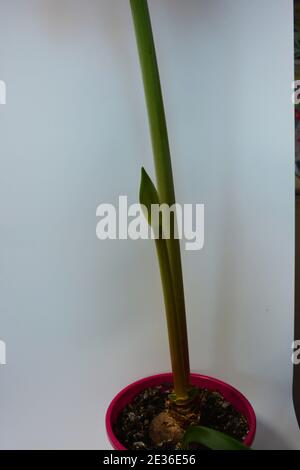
column 128, row 393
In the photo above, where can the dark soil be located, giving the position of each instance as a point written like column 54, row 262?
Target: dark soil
column 132, row 426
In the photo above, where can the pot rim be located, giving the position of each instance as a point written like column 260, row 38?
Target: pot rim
column 137, row 386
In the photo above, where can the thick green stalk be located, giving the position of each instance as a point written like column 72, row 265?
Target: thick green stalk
column 181, row 388
column 164, row 176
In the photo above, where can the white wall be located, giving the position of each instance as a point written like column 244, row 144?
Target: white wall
column 82, row 318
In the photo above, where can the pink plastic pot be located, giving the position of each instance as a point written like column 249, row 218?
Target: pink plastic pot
column 128, row 393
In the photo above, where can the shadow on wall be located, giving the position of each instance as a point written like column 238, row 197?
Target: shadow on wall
column 186, row 19
column 70, row 20
column 60, row 18
column 269, row 438
column 64, row 18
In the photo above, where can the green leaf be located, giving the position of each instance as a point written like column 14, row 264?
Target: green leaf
column 148, row 196
column 213, row 440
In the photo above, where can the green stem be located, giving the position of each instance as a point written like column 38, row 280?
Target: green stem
column 181, row 388
column 164, row 176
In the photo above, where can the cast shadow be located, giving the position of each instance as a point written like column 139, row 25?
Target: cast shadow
column 267, row 438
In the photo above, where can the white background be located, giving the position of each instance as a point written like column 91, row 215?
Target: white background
column 83, row 318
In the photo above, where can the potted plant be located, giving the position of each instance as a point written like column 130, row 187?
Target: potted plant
column 169, row 411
